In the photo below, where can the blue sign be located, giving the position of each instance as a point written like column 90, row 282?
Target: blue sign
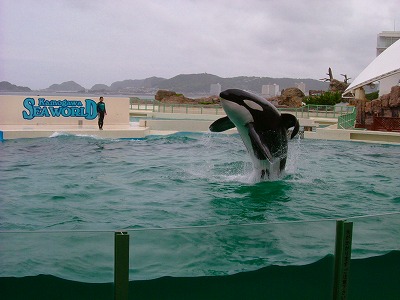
column 59, row 108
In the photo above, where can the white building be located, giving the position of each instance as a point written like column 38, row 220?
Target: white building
column 385, row 68
column 270, row 90
column 215, row 89
column 386, row 39
column 301, row 86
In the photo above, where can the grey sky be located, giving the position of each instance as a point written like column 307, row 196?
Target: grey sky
column 101, row 41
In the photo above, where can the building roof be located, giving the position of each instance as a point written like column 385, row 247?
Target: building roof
column 384, row 65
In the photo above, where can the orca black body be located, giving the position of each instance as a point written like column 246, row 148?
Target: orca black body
column 262, row 128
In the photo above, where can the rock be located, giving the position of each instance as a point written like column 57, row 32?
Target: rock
column 361, row 107
column 161, row 94
column 387, row 106
column 291, row 97
column 208, row 100
column 274, row 100
column 337, row 86
column 394, row 96
column 387, row 113
column 177, row 99
column 368, row 107
column 173, row 98
column 376, row 106
column 385, row 100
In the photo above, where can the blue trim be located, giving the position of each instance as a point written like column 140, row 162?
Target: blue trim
column 1, row 136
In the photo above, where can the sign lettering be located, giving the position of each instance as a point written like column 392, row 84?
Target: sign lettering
column 59, row 108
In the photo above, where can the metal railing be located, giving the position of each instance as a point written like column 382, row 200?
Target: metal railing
column 307, row 111
column 318, row 111
column 188, row 109
column 347, row 121
column 141, row 104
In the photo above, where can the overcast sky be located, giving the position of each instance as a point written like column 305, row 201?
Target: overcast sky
column 101, row 41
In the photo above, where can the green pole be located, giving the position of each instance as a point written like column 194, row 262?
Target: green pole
column 344, row 236
column 121, row 265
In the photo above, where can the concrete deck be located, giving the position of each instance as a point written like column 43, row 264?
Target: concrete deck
column 174, row 123
column 332, row 133
column 38, row 131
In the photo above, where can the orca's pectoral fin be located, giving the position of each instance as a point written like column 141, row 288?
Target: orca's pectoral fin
column 260, row 150
column 288, row 121
column 221, row 125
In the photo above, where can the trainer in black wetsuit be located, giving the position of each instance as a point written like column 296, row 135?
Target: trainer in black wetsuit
column 101, row 111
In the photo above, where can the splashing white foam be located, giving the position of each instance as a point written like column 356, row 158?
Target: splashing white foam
column 57, row 134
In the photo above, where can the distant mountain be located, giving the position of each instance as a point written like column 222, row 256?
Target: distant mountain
column 5, row 86
column 99, row 88
column 68, row 86
column 137, row 83
column 190, row 83
column 183, row 83
column 200, row 83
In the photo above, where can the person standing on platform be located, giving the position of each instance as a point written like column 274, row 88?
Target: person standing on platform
column 101, row 112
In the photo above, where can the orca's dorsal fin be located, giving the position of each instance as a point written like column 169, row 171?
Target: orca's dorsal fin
column 289, row 120
column 221, row 125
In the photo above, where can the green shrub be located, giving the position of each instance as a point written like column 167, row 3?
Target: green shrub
column 327, row 98
column 372, row 96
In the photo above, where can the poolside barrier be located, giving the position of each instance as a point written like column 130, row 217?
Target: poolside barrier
column 333, row 279
column 121, row 265
column 342, row 258
column 344, row 234
column 348, row 120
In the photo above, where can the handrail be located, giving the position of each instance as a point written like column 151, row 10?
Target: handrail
column 307, row 111
column 323, row 111
column 347, row 121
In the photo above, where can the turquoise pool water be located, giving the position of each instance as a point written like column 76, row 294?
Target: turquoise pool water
column 190, row 202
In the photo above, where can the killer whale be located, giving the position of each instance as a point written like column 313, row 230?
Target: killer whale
column 263, row 129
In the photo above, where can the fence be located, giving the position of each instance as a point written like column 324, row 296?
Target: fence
column 323, row 111
column 386, row 124
column 319, row 111
column 144, row 254
column 348, row 120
